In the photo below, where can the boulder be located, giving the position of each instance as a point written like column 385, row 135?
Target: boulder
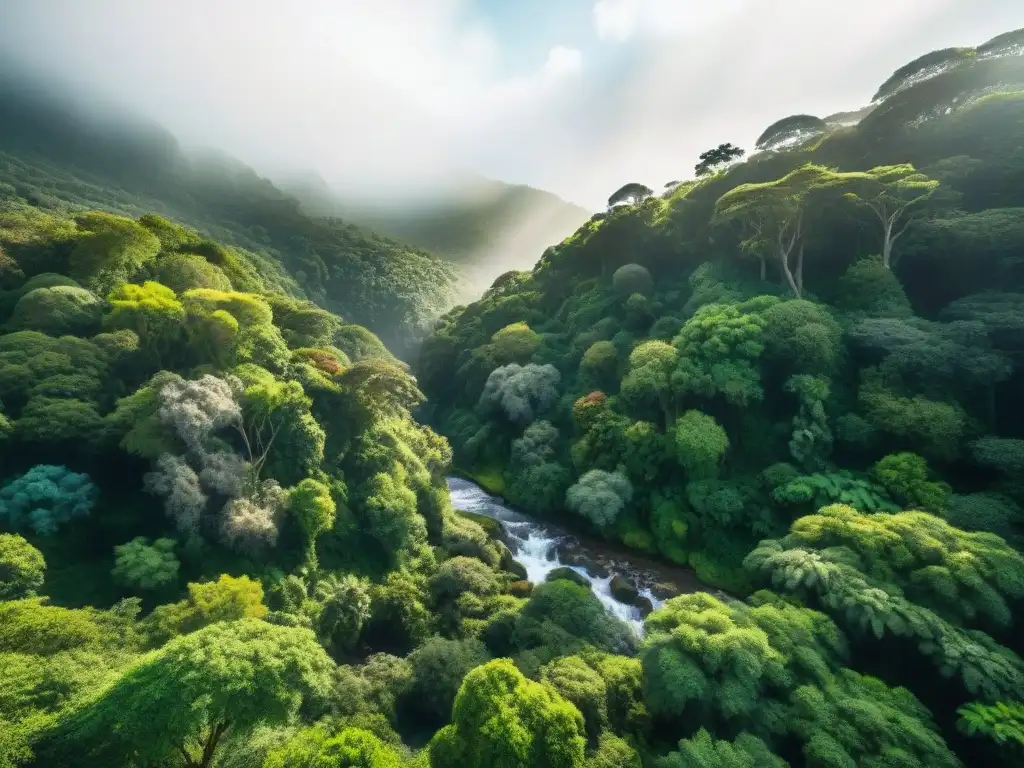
column 624, row 590
column 587, row 563
column 513, row 566
column 569, row 575
column 645, row 605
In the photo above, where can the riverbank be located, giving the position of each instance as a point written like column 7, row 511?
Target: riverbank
column 671, row 578
column 627, row 583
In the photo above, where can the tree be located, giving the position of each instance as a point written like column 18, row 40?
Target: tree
column 632, row 278
column 633, row 192
column 732, row 662
column 146, row 566
column 704, row 751
column 503, row 720
column 438, row 669
column 45, row 497
column 774, row 213
column 790, row 131
column 180, row 702
column 520, row 392
column 700, row 444
column 349, row 748
column 888, row 192
column 900, row 574
column 22, row 567
column 599, row 496
column 711, row 160
column 58, row 311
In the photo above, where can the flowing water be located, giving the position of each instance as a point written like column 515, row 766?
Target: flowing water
column 542, row 548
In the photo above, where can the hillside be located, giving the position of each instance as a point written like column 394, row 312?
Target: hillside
column 834, row 324
column 226, row 536
column 487, row 227
column 60, row 153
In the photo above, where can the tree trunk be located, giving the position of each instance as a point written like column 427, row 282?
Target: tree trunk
column 887, row 244
column 800, row 271
column 764, row 267
column 209, row 748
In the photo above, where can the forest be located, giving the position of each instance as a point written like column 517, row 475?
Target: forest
column 799, row 371
column 226, row 539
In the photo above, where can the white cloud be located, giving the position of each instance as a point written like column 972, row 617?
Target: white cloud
column 615, row 19
column 390, row 94
column 563, row 61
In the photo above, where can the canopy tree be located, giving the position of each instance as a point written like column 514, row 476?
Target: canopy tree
column 888, row 192
column 634, row 192
column 716, row 157
column 178, row 703
column 790, row 131
column 773, row 213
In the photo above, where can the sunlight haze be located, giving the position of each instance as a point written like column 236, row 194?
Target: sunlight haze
column 574, row 97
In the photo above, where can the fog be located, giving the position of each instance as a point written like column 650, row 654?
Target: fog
column 404, row 97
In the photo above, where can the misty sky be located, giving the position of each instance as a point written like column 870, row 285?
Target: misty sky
column 573, row 96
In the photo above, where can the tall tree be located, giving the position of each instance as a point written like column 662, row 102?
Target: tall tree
column 889, row 192
column 774, row 215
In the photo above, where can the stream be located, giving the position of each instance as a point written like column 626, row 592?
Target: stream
column 541, row 548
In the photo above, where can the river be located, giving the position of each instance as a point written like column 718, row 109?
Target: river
column 541, row 548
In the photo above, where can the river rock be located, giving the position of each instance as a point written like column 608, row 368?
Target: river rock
column 645, row 605
column 589, row 564
column 569, row 575
column 624, row 590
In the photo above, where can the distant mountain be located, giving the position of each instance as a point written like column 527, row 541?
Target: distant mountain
column 486, row 226
column 63, row 151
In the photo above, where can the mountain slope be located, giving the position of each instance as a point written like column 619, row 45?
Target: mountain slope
column 56, row 152
column 487, row 227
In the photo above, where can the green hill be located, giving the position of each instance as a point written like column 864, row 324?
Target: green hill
column 837, row 322
column 59, row 153
column 487, row 227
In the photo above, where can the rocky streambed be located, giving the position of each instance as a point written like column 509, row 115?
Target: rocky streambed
column 629, row 584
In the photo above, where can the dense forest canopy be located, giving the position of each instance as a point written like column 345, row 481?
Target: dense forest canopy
column 65, row 159
column 226, row 539
column 798, row 372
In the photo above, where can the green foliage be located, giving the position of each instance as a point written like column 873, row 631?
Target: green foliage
column 599, row 496
column 317, row 748
column 438, row 668
column 821, row 489
column 21, row 568
column 632, row 278
column 703, row 751
column 857, row 720
column 110, row 250
column 537, row 480
column 734, row 662
column 1003, row 722
column 57, row 311
column 231, row 675
column 905, row 477
column 718, row 350
column 515, row 343
column 909, row 574
column 503, row 720
column 145, row 566
column 701, row 443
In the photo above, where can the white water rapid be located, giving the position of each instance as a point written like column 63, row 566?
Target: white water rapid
column 536, row 547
